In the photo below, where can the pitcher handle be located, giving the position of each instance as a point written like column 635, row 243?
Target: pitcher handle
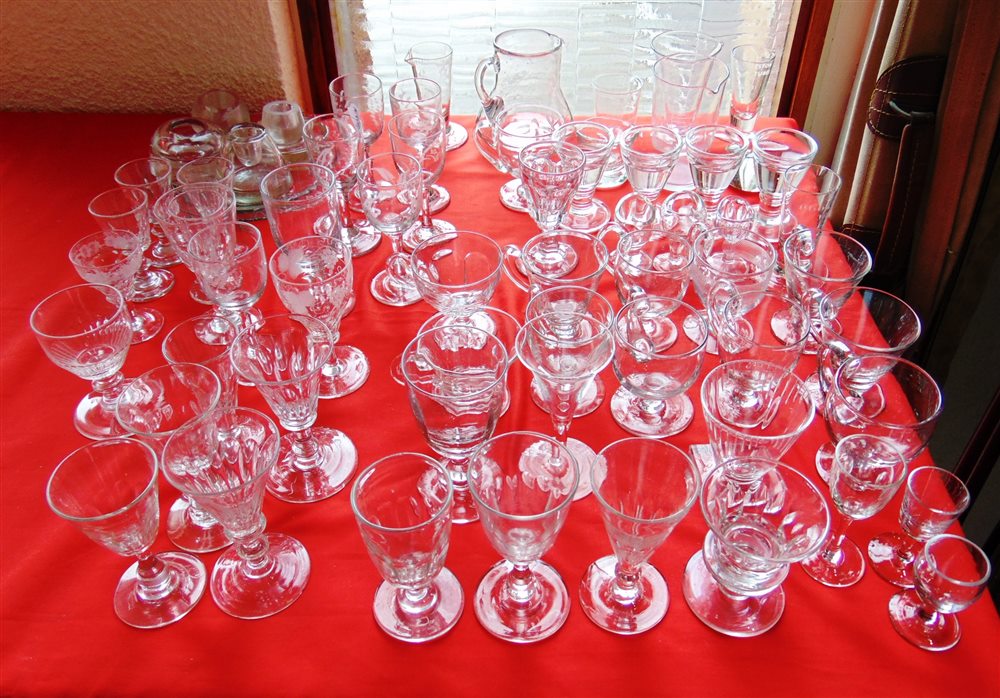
column 511, row 256
column 491, row 105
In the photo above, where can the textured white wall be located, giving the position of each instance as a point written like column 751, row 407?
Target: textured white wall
column 144, row 55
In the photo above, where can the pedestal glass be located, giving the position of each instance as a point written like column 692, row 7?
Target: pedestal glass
column 649, row 154
column 767, row 327
column 809, row 192
column 254, row 154
column 751, row 67
column 230, row 263
column 616, row 106
column 680, row 80
column 714, row 154
column 514, row 128
column 559, row 258
column 206, row 340
column 650, row 262
column 774, row 150
column 152, row 175
column 551, row 171
column 587, row 214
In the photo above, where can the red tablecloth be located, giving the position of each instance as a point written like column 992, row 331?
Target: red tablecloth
column 59, row 634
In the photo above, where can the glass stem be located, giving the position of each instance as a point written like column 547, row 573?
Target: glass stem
column 110, row 389
column 651, row 411
column 833, row 548
column 343, row 210
column 255, row 553
column 520, row 589
column 626, row 588
column 426, row 221
column 154, row 579
column 305, row 448
column 417, row 602
column 562, row 410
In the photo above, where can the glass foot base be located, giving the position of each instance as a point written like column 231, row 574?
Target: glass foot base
column 94, row 420
column 146, row 324
column 538, row 618
column 420, row 626
column 418, row 233
column 589, row 399
column 737, row 616
column 626, row 408
column 511, row 197
column 389, row 291
column 198, row 294
column 644, row 611
column 193, row 536
column 908, row 616
column 152, row 284
column 584, row 456
column 162, row 254
column 347, row 371
column 592, row 221
column 439, row 198
column 613, row 177
column 824, row 461
column 187, row 574
column 336, row 460
column 632, row 212
column 364, row 239
column 891, row 557
column 258, row 596
column 847, row 570
column 457, row 136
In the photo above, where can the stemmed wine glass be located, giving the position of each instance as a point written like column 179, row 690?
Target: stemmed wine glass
column 299, row 200
column 645, row 487
column 950, row 574
column 391, row 188
column 206, row 340
column 152, row 175
column 314, row 276
column 523, row 484
column 714, row 154
column 401, row 504
column 649, row 154
column 222, row 461
column 751, row 67
column 550, row 173
column 283, row 356
column 616, row 106
column 774, row 150
column 86, row 330
column 230, row 263
column 514, row 128
column 108, row 489
column 867, row 472
column 587, row 214
column 359, row 96
column 745, row 329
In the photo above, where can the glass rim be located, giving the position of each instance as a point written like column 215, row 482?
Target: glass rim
column 135, row 163
column 322, row 175
column 167, row 347
column 678, row 304
column 555, row 42
column 828, row 311
column 364, row 475
column 785, row 374
column 306, row 321
column 235, row 227
column 531, row 309
column 75, row 248
column 501, row 372
column 366, row 164
column 120, row 310
column 973, row 549
column 895, row 361
column 366, row 80
column 710, row 235
column 883, row 443
column 949, row 478
column 654, row 234
column 816, row 233
column 139, row 201
column 122, row 409
column 442, row 237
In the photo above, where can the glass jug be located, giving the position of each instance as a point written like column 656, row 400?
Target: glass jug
column 526, row 68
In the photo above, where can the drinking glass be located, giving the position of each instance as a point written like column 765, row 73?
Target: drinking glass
column 457, row 272
column 154, row 406
column 714, row 154
column 514, row 128
column 809, row 192
column 558, row 258
column 300, row 201
column 181, row 140
column 391, row 188
column 359, row 95
column 420, row 134
column 680, row 81
column 222, row 461
column 211, row 169
column 762, row 517
column 314, row 276
column 401, row 503
column 933, row 499
column 86, row 330
column 433, row 60
column 748, row 328
column 650, row 262
column 683, row 213
column 950, row 574
column 152, row 175
column 108, row 490
column 284, row 121
column 735, row 217
column 656, row 365
column 649, row 154
column 114, row 257
column 681, row 41
column 551, row 171
column 587, row 214
column 283, row 356
column 523, row 484
column 616, row 106
column 645, row 487
column 230, row 263
column 564, row 352
column 254, row 154
column 751, row 68
column 867, row 472
column 206, row 340
column 455, row 377
column 415, row 94
column 220, row 107
column 774, row 150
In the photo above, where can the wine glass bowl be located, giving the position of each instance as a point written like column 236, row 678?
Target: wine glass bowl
column 651, row 262
column 231, row 267
column 714, row 154
column 649, row 154
column 551, row 171
column 774, row 150
column 457, row 272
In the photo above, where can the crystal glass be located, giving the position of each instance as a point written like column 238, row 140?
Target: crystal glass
column 762, row 517
column 222, row 462
column 774, row 150
column 85, row 330
column 650, row 262
column 656, row 364
column 808, row 194
column 154, row 406
column 767, row 327
column 391, row 187
column 152, row 175
column 283, row 356
column 867, row 472
column 455, row 375
column 230, row 263
column 714, row 154
column 300, row 201
column 933, row 499
column 616, row 106
column 734, row 218
column 559, row 258
column 359, row 95
column 284, row 121
column 649, row 154
column 108, row 490
column 645, row 487
column 220, row 107
column 433, row 60
column 415, row 94
column 587, row 214
column 114, row 257
column 751, row 67
column 206, row 340
column 551, row 171
column 211, row 169
column 515, row 127
column 314, row 276
column 680, row 41
column 181, row 140
column 680, row 84
column 457, row 272
column 523, row 484
column 564, row 352
column 950, row 574
column 401, row 503
column 254, row 154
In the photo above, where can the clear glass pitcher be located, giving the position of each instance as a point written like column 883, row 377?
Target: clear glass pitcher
column 524, row 68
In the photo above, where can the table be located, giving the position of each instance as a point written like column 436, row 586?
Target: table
column 58, row 632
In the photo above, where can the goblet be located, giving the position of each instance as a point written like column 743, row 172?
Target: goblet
column 564, row 352
column 587, row 214
column 420, row 134
column 401, row 503
column 950, row 574
column 557, row 258
column 514, row 128
column 114, row 257
column 523, row 484
column 455, row 377
column 645, row 487
column 86, row 330
column 314, row 276
column 751, row 67
column 714, row 154
column 649, row 154
column 433, row 59
column 616, row 106
column 254, row 154
column 457, row 272
column 550, row 172
column 230, row 263
column 867, row 472
column 391, row 187
column 656, row 365
column 206, row 340
column 222, row 461
column 154, row 406
column 283, row 356
column 745, row 329
column 762, row 516
column 774, row 150
column 933, row 499
column 152, row 175
column 108, row 490
column 650, row 262
column 211, row 169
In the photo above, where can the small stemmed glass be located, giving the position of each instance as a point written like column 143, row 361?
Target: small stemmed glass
column 523, row 484
column 514, row 128
column 714, row 154
column 867, row 472
column 86, row 330
column 751, row 67
column 230, row 263
column 222, row 461
column 587, row 214
column 550, row 172
column 649, row 154
column 206, row 340
column 651, row 262
column 774, row 150
column 645, row 487
column 109, row 491
column 152, row 175
column 401, row 504
column 616, row 106
column 745, row 329
column 283, row 356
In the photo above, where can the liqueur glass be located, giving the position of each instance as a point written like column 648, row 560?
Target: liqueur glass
column 220, row 107
column 152, row 175
column 254, row 154
column 206, row 340
column 649, row 154
column 359, row 95
column 616, row 106
column 401, row 504
column 809, row 192
column 551, row 171
column 750, row 66
column 284, row 121
column 300, row 201
column 774, row 150
column 714, row 154
column 645, row 487
column 523, row 484
column 230, row 263
column 514, row 128
column 587, row 214
column 108, row 489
